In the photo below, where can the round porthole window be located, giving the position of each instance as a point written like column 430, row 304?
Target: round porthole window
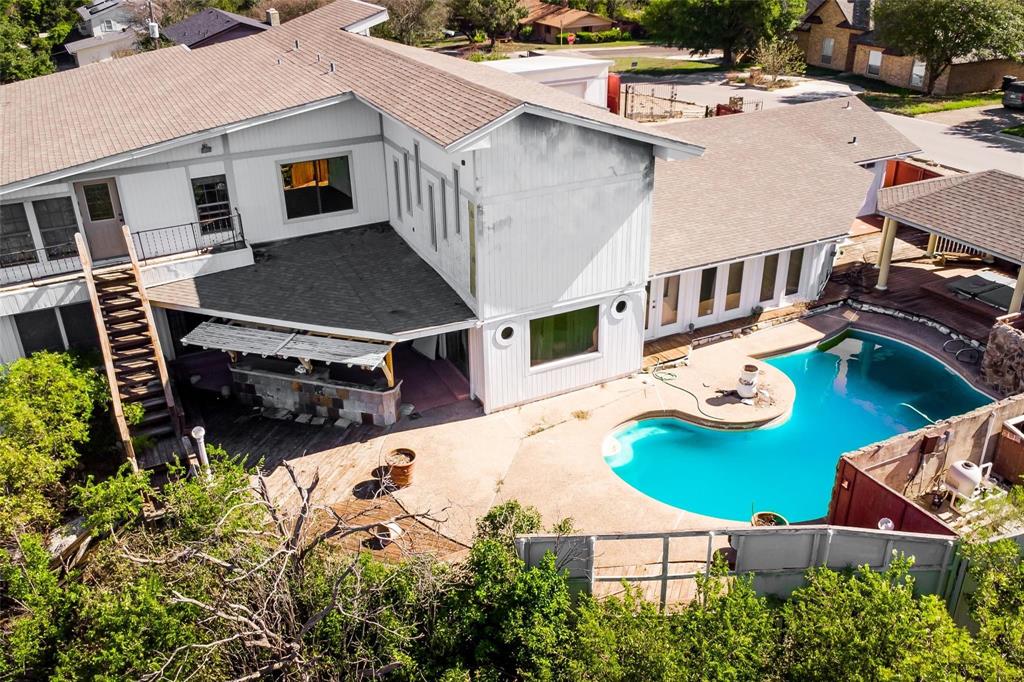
column 505, row 335
column 620, row 307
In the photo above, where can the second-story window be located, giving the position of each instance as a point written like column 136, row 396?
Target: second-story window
column 433, row 216
column 212, row 204
column 16, row 246
column 317, row 187
column 419, row 186
column 57, row 226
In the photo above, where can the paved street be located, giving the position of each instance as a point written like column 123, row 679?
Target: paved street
column 960, row 147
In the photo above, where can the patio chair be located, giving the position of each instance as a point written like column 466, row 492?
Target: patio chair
column 999, row 296
column 971, row 287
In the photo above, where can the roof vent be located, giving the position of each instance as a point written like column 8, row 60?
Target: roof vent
column 318, row 57
column 332, row 67
column 279, row 61
column 296, row 43
column 273, row 17
column 848, row 105
column 854, row 140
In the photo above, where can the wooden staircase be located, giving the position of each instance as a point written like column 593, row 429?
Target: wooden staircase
column 134, row 363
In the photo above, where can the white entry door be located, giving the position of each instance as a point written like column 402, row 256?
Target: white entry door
column 101, row 218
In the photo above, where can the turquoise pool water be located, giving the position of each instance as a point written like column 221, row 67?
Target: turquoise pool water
column 864, row 389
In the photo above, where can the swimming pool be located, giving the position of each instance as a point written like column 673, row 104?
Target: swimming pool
column 863, row 389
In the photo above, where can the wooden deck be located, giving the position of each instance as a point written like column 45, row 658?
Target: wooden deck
column 346, row 485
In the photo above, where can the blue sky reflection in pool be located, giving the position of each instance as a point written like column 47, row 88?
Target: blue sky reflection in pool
column 864, row 389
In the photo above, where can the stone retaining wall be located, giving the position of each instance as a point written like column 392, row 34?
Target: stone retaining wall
column 315, row 396
column 1002, row 368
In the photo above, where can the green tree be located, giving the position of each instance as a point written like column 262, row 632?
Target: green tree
column 780, row 57
column 869, row 626
column 494, row 18
column 46, row 403
column 942, row 31
column 997, row 602
column 29, row 31
column 412, row 21
column 732, row 26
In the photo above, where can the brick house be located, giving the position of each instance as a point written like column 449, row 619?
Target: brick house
column 839, row 35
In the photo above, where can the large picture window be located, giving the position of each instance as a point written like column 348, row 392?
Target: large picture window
column 564, row 335
column 212, row 204
column 16, row 246
column 57, row 226
column 317, row 187
column 706, row 299
column 768, row 274
column 70, row 327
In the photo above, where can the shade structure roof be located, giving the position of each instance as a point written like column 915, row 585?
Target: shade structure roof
column 982, row 210
column 266, row 342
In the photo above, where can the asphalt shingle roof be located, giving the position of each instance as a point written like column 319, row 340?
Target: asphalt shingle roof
column 330, row 280
column 206, row 23
column 767, row 181
column 982, row 209
column 173, row 92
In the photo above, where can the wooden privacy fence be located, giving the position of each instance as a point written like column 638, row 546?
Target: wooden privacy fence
column 777, row 558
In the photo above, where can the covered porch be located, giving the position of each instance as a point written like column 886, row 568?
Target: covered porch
column 976, row 216
column 349, row 326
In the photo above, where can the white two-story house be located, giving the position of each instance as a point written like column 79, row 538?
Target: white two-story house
column 326, row 223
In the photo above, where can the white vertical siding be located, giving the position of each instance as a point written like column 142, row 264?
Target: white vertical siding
column 871, row 200
column 450, row 258
column 349, row 120
column 158, row 198
column 565, row 214
column 10, row 344
column 510, row 380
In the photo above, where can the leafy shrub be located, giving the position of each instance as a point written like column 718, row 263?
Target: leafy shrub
column 526, row 32
column 115, row 501
column 588, row 37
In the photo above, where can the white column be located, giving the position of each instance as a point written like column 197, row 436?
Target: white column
column 885, row 255
column 1018, row 293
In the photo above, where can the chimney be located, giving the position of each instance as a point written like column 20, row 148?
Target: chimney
column 273, row 17
column 862, row 14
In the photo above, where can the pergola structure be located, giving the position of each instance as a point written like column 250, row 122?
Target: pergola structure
column 983, row 211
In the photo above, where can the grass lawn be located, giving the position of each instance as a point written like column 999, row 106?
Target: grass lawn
column 895, row 100
column 1015, row 130
column 651, row 66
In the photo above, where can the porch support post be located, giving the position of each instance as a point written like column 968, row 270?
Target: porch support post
column 933, row 242
column 389, row 369
column 1018, row 293
column 885, row 255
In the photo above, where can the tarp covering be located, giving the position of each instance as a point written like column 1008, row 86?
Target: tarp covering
column 265, row 342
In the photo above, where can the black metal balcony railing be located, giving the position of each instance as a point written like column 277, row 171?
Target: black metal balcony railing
column 222, row 233
column 37, row 264
column 215, row 234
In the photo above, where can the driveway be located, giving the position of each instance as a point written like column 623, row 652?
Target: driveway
column 963, row 147
column 710, row 88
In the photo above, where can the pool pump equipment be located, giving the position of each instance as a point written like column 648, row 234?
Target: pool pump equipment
column 964, row 478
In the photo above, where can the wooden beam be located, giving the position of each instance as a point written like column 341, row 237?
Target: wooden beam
column 1018, row 293
column 108, row 354
column 389, row 368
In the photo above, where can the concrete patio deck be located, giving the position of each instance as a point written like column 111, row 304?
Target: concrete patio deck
column 547, row 454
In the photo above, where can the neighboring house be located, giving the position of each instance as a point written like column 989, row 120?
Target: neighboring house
column 214, row 26
column 549, row 20
column 839, row 35
column 754, row 223
column 584, row 78
column 105, row 27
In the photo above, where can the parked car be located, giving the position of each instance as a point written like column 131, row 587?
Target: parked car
column 1013, row 95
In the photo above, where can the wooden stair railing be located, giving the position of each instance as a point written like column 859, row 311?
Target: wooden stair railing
column 108, row 358
column 132, row 356
column 177, row 417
